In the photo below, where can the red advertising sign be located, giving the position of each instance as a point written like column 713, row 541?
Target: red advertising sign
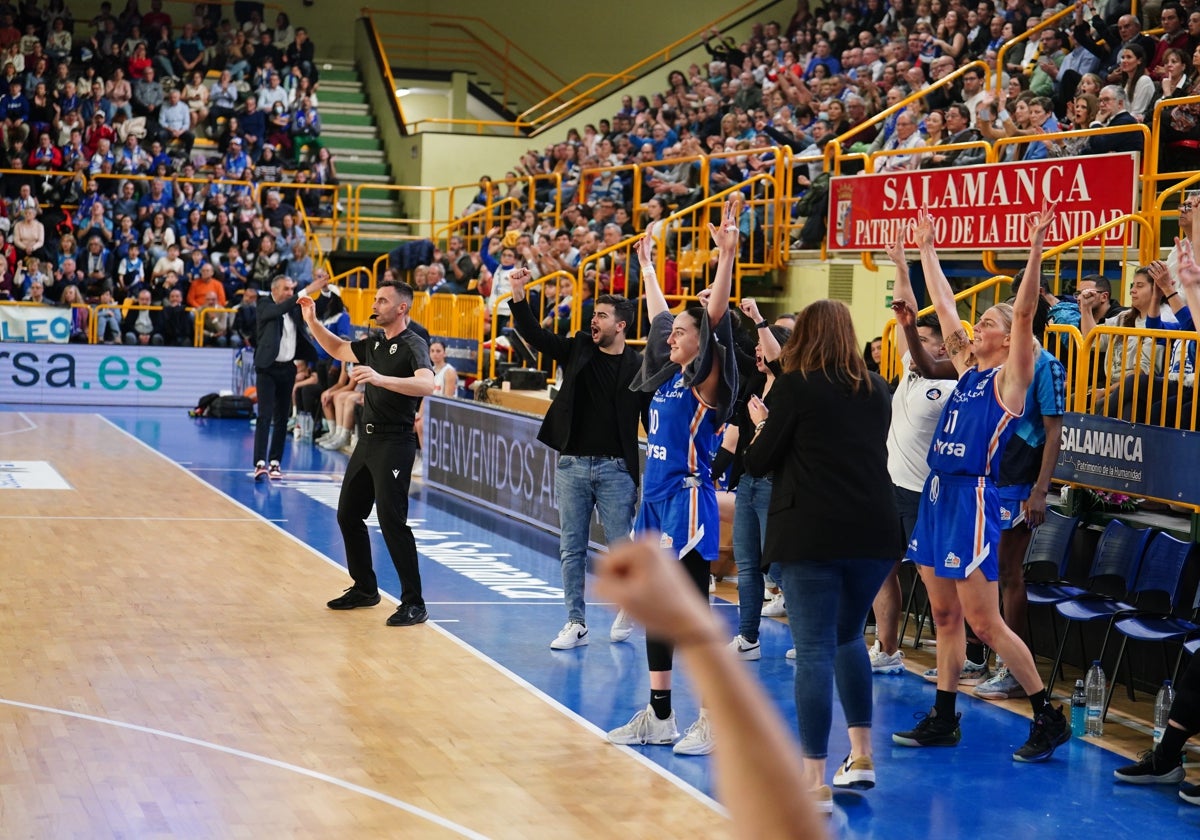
column 983, row 207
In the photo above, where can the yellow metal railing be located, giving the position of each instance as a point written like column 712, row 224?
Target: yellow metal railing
column 500, row 59
column 549, row 281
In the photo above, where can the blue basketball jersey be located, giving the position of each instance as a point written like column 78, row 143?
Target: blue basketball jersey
column 680, row 442
column 974, row 427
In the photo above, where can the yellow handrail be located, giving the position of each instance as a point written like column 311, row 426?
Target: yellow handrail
column 1024, row 36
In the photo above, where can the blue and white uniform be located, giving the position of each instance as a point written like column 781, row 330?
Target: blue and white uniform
column 678, row 497
column 1022, row 459
column 958, row 526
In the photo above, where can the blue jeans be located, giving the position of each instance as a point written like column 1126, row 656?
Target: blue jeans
column 827, row 603
column 749, row 530
column 583, row 484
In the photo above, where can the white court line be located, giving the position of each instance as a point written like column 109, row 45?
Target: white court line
column 30, row 425
column 261, row 759
column 521, row 681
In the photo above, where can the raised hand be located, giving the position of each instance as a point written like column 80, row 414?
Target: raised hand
column 726, row 236
column 517, row 280
column 757, row 409
column 1161, row 275
column 308, row 309
column 1189, row 272
column 1038, row 223
column 905, row 315
column 895, row 250
column 749, row 307
column 645, row 251
column 923, row 230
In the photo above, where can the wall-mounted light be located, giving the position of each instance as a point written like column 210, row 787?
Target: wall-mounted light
column 402, row 91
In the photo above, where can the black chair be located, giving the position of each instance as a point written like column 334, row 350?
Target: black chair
column 1115, row 564
column 1168, row 555
column 1046, row 561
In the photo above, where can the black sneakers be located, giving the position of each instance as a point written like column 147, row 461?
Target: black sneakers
column 931, row 731
column 408, row 615
column 1152, row 768
column 1047, row 733
column 352, row 599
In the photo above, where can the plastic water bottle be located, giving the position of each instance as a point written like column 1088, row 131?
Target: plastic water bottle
column 304, row 426
column 1162, row 709
column 1078, row 711
column 1094, row 688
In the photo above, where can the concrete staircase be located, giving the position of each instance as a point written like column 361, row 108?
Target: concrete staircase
column 350, row 133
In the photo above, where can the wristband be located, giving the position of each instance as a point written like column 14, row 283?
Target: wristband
column 761, row 325
column 1173, row 294
column 758, row 427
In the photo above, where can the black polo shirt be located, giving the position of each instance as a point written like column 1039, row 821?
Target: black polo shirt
column 401, row 356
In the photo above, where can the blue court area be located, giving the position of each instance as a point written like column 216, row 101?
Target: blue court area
column 492, row 582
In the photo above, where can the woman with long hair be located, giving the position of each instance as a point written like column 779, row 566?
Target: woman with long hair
column 752, row 499
column 692, row 377
column 72, row 299
column 1181, row 123
column 1139, row 87
column 956, row 538
column 828, row 422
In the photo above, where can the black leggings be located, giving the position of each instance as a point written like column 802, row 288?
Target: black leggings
column 659, row 654
column 1186, row 709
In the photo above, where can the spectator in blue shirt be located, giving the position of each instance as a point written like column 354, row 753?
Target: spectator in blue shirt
column 822, row 56
column 14, row 110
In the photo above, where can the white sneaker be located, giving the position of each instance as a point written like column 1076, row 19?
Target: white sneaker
column 884, row 663
column 644, row 728
column 743, row 649
column 697, row 740
column 337, row 441
column 572, row 635
column 776, row 607
column 712, row 584
column 791, row 654
column 622, row 627
column 855, row 773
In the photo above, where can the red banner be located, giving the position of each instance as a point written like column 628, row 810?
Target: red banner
column 979, row 208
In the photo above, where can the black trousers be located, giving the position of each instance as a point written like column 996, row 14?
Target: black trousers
column 274, row 405
column 379, row 474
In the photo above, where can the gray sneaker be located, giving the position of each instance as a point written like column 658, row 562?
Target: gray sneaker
column 973, row 673
column 1002, row 686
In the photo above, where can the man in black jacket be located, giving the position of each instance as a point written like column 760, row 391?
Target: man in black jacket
column 592, row 424
column 281, row 340
column 1113, row 114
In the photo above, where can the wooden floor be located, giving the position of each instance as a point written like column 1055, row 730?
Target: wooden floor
column 169, row 670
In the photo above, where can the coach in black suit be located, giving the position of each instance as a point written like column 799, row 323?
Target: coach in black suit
column 281, row 340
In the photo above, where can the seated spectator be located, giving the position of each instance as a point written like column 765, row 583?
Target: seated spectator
column 253, row 126
column 131, row 271
column 95, row 265
column 108, row 320
column 300, row 266
column 175, row 122
column 905, row 137
column 169, row 263
column 178, row 330
column 216, row 325
column 29, row 234
column 80, row 314
column 143, row 324
column 245, row 320
column 263, row 265
column 195, row 96
column 206, row 283
column 1112, row 112
column 158, row 237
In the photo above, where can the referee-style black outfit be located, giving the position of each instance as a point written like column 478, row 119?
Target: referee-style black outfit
column 380, row 471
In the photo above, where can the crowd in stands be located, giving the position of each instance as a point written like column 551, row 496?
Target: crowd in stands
column 108, row 199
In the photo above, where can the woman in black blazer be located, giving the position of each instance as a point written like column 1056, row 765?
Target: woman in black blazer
column 832, row 526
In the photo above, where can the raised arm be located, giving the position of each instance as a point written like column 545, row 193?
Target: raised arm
column 770, row 345
column 957, row 343
column 725, row 238
column 656, row 303
column 757, row 756
column 902, row 289
column 1018, row 370
column 336, row 346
